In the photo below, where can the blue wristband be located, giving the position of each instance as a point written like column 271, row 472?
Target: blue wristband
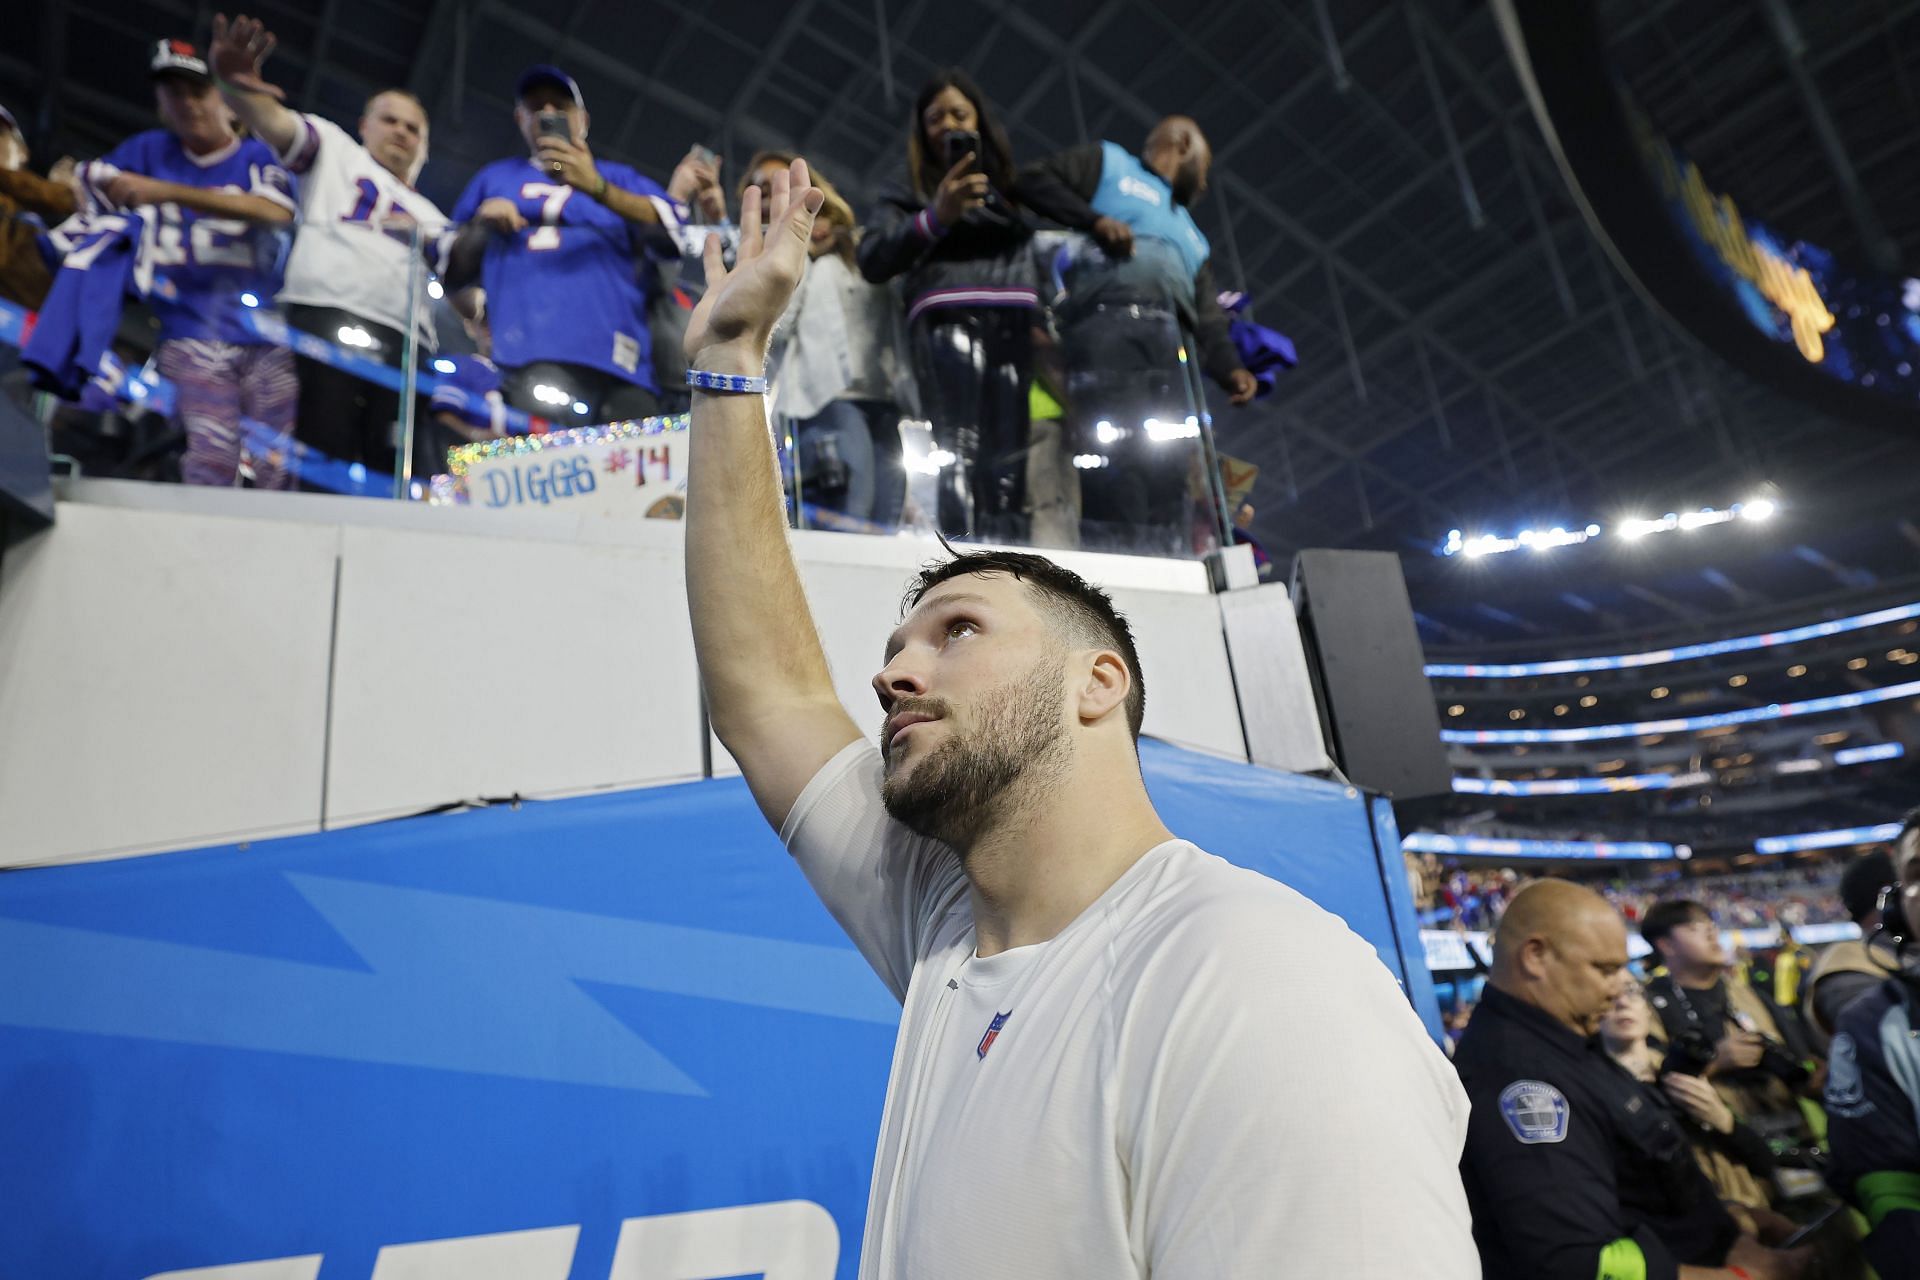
column 737, row 383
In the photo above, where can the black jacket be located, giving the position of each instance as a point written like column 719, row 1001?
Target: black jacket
column 1571, row 1163
column 988, row 253
column 1873, row 1113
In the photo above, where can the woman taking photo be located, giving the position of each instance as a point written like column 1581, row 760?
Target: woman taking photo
column 959, row 244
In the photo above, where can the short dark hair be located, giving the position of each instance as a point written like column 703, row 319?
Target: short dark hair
column 1862, row 881
column 408, row 94
column 1081, row 609
column 1664, row 917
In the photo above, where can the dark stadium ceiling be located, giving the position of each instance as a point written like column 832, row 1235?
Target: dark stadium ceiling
column 1469, row 357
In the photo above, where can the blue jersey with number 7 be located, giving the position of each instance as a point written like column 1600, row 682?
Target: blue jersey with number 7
column 572, row 285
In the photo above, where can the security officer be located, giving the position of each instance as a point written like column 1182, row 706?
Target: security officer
column 1574, row 1169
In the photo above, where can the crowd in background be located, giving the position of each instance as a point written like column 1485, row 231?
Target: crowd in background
column 1039, row 319
column 1743, row 1108
column 1474, row 897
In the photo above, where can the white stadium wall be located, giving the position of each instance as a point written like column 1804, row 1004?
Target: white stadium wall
column 182, row 667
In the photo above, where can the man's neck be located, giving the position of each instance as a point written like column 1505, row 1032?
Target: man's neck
column 1698, row 978
column 1033, row 874
column 1516, row 988
column 206, row 144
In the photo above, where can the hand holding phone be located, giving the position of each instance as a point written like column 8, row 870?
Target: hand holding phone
column 961, row 143
column 964, row 187
column 552, row 124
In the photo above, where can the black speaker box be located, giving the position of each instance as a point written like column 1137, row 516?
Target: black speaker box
column 1376, row 707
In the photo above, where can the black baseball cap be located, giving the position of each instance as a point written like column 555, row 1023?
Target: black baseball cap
column 178, row 58
column 535, row 76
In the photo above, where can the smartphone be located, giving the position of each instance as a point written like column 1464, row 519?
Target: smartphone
column 959, row 143
column 553, row 124
column 703, row 155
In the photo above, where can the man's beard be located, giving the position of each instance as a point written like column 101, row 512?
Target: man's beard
column 1186, row 184
column 966, row 784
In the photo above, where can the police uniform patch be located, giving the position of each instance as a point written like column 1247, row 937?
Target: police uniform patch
column 1535, row 1111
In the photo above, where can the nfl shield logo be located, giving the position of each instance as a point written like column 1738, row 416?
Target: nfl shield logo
column 993, row 1032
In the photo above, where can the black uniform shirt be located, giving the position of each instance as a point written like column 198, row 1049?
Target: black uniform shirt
column 1574, row 1169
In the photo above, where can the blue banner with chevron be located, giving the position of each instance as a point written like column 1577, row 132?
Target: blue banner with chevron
column 609, row 1038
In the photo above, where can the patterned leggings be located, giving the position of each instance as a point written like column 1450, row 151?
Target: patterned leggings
column 218, row 383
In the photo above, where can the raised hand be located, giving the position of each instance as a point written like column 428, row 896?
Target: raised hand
column 696, row 181
column 729, row 330
column 570, row 162
column 239, row 49
column 962, row 189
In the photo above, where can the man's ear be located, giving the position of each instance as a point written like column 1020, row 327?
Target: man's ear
column 1105, row 687
column 1533, row 957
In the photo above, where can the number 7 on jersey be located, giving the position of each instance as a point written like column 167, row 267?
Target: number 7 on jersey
column 551, row 198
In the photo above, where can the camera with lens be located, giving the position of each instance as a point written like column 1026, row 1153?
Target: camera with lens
column 1690, row 1054
column 1782, row 1066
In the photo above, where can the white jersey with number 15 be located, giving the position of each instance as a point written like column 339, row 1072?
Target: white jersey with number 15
column 356, row 220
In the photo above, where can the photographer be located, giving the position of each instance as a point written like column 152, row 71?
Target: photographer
column 1845, row 970
column 1873, row 1092
column 1728, row 1029
column 1735, row 1159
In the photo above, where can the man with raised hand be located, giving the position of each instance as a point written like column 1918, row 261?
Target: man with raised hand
column 1101, row 1068
column 347, row 275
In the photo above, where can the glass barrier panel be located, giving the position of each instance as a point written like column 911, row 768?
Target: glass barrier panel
column 1078, row 423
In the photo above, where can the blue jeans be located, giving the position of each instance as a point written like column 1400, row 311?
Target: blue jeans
column 850, row 461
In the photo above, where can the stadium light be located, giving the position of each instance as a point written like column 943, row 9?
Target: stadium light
column 1519, row 788
column 1684, row 653
column 1757, row 509
column 1689, row 724
column 1869, row 754
column 1828, row 839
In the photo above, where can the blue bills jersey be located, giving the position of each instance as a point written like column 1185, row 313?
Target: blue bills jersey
column 205, row 267
column 571, row 285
